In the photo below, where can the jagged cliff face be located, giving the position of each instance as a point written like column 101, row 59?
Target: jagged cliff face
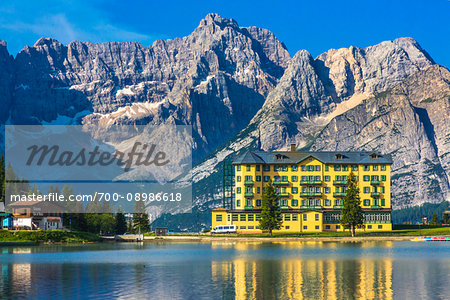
column 220, row 69
column 238, row 87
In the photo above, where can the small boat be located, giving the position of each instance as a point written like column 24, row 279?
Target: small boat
column 432, row 239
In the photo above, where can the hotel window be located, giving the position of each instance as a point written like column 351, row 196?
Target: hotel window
column 311, row 178
column 369, row 226
column 317, row 217
column 258, row 202
column 303, row 168
column 257, row 217
column 258, row 178
column 276, row 178
column 250, row 227
column 305, row 227
column 304, row 202
column 266, row 178
column 318, row 202
column 366, row 168
column 238, row 190
column 294, row 168
column 326, row 178
column 287, row 227
column 337, row 202
column 219, row 218
column 304, row 178
column 344, row 168
column 287, row 217
column 375, row 202
column 317, row 189
column 383, row 203
column 366, row 190
column 354, row 167
column 284, row 203
column 317, row 168
column 305, row 217
column 284, row 168
column 337, row 167
column 317, row 227
column 294, row 217
column 327, row 226
column 375, row 167
column 251, row 218
column 238, row 178
column 249, row 202
column 242, row 217
column 326, row 168
column 284, row 178
column 366, row 178
column 380, row 226
column 374, row 189
column 294, row 190
column 248, row 167
column 248, row 178
column 242, row 227
column 258, row 168
column 276, row 168
column 310, row 168
column 235, row 218
column 344, row 178
column 294, row 202
column 238, row 168
column 317, row 178
column 238, row 203
column 294, row 178
column 266, row 168
column 258, row 190
column 383, row 177
column 326, row 190
column 228, row 218
column 383, row 167
column 381, row 189
column 338, row 226
column 327, row 202
column 366, row 202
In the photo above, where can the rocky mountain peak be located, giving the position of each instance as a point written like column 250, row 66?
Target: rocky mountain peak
column 216, row 19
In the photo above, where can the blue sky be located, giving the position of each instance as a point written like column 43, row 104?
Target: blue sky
column 312, row 25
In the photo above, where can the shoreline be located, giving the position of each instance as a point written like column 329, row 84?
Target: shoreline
column 268, row 239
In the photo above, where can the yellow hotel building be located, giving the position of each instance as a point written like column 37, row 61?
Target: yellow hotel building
column 311, row 187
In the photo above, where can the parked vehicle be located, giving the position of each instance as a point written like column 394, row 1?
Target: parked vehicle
column 224, row 229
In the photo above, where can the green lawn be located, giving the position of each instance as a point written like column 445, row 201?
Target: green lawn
column 39, row 236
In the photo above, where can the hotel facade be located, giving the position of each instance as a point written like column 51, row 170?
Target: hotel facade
column 311, row 187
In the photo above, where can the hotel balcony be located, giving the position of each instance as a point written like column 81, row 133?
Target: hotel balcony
column 340, row 182
column 311, row 207
column 279, row 182
column 310, row 194
column 338, row 206
column 375, row 194
column 283, row 194
column 339, row 194
column 248, row 182
column 374, row 182
column 248, row 194
column 310, row 182
column 375, row 207
column 248, row 207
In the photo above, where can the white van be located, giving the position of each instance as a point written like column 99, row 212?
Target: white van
column 224, row 229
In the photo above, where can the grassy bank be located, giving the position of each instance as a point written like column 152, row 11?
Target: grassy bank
column 50, row 236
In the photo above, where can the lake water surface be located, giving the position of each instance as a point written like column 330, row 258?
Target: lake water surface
column 228, row 270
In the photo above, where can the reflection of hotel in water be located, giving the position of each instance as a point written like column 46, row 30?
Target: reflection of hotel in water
column 298, row 278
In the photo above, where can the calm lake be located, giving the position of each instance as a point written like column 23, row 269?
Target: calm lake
column 228, row 270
